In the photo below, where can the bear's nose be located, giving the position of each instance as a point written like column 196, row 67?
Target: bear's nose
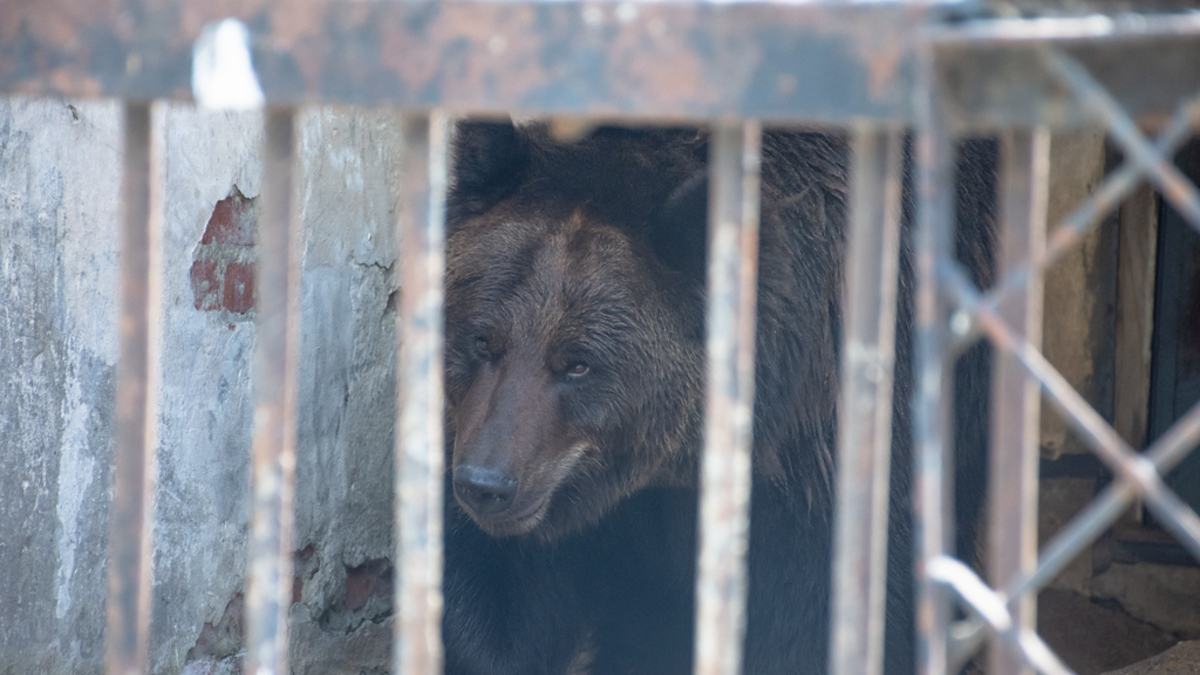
column 484, row 491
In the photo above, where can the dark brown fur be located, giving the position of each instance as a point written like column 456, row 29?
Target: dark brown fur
column 574, row 371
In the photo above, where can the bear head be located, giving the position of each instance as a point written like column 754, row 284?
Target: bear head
column 575, row 319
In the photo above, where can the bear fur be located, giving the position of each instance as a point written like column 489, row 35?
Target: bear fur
column 575, row 386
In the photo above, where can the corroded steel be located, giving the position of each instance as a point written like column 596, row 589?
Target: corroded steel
column 673, row 59
column 1016, row 406
column 276, row 367
column 130, row 548
column 933, row 409
column 865, row 422
column 725, row 469
column 419, row 435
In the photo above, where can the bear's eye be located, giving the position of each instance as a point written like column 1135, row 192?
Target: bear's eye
column 578, row 370
column 481, row 346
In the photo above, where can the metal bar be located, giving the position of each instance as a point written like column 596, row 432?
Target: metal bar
column 130, row 547
column 1106, row 443
column 991, row 607
column 1079, row 222
column 725, row 471
column 1174, row 185
column 276, row 365
column 1066, row 29
column 933, row 406
column 1166, row 452
column 865, row 422
column 584, row 58
column 1016, row 405
column 419, row 436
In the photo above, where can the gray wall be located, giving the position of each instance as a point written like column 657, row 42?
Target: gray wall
column 60, row 168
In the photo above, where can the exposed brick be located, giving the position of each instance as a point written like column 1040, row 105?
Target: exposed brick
column 206, row 285
column 239, row 287
column 233, row 221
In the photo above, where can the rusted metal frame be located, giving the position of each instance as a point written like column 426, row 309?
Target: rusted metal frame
column 1016, row 406
column 276, row 368
column 933, row 438
column 420, row 444
column 990, row 606
column 721, row 578
column 757, row 60
column 1072, row 229
column 1106, row 443
column 1176, row 187
column 130, row 542
column 1095, row 27
column 865, row 412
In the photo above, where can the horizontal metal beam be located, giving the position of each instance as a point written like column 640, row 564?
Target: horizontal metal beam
column 665, row 60
column 820, row 62
column 993, row 85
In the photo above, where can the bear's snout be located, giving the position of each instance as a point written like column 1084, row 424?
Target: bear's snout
column 484, row 491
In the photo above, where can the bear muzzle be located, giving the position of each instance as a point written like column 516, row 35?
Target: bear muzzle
column 485, row 492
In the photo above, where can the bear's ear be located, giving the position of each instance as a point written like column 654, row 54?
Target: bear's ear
column 679, row 231
column 489, row 162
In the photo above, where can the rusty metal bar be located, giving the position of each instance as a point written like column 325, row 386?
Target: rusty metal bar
column 933, row 406
column 1106, row 443
column 419, row 434
column 725, row 471
column 130, row 547
column 1016, row 406
column 1170, row 181
column 276, row 365
column 865, row 413
column 575, row 57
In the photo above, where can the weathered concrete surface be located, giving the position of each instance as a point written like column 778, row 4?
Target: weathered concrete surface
column 59, row 187
column 1092, row 638
column 59, row 177
column 1182, row 659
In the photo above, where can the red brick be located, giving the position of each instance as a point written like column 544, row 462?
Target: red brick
column 233, row 221
column 239, row 287
column 206, row 285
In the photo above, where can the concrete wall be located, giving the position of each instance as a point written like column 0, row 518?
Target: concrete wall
column 60, row 168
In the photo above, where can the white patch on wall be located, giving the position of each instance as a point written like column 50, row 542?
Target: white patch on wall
column 76, row 470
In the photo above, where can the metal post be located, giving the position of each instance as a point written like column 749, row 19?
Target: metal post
column 933, row 410
column 276, row 364
column 865, row 413
column 419, row 439
column 1016, row 403
column 129, row 541
column 725, row 473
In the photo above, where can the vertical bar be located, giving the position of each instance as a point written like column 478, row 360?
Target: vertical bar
column 1016, row 403
column 276, row 362
column 725, row 472
column 865, row 413
column 130, row 542
column 933, row 406
column 419, row 442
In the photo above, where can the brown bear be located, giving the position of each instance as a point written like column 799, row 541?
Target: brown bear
column 575, row 385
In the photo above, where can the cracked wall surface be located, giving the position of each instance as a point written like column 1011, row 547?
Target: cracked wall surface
column 60, row 169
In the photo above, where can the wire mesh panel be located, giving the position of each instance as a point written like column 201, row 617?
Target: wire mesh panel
column 1004, row 317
